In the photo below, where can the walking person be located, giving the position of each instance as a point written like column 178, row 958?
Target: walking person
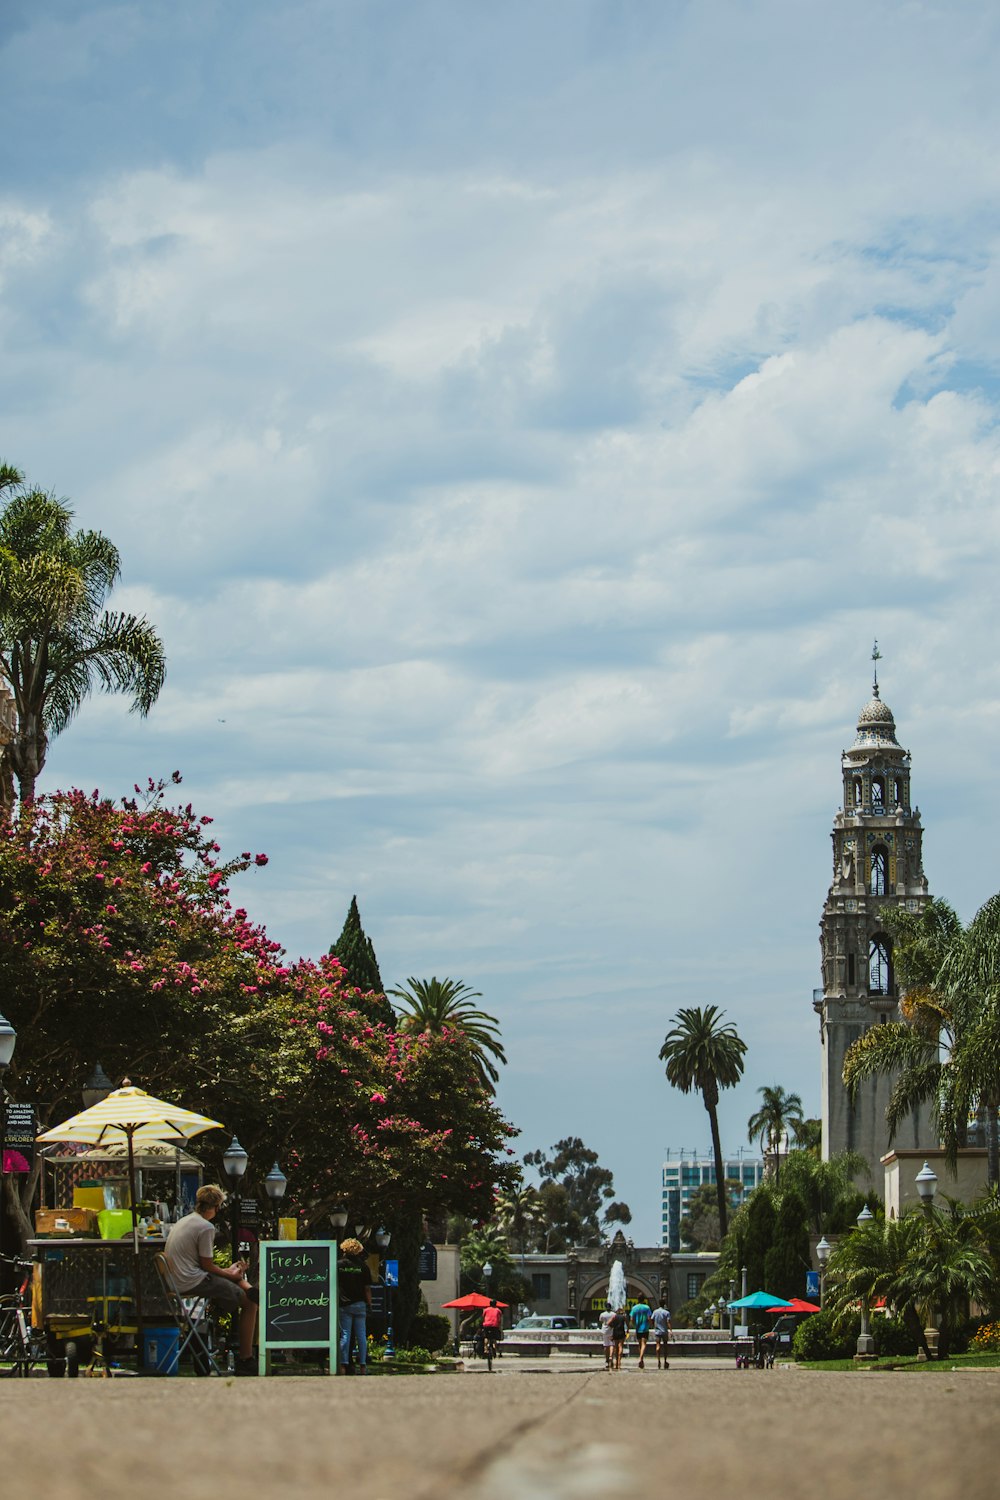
column 641, row 1314
column 605, row 1320
column 661, row 1332
column 619, row 1328
column 354, row 1296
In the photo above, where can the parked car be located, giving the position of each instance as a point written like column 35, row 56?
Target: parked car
column 781, row 1335
column 547, row 1320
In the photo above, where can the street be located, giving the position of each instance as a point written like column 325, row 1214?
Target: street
column 518, row 1434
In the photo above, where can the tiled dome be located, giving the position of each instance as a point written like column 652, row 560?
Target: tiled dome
column 876, row 725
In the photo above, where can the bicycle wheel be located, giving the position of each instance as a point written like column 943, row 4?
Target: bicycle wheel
column 490, row 1350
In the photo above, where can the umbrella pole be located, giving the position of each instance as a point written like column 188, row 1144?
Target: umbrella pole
column 136, row 1262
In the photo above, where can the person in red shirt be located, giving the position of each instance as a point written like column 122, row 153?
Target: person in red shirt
column 492, row 1323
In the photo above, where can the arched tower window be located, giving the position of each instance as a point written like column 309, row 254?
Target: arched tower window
column 897, row 792
column 858, row 792
column 878, row 871
column 878, row 794
column 880, row 965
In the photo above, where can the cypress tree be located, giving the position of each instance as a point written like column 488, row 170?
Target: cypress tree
column 787, row 1259
column 357, row 954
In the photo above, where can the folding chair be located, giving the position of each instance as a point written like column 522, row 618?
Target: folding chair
column 193, row 1320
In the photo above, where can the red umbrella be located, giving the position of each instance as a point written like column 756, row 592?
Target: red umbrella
column 472, row 1299
column 796, row 1305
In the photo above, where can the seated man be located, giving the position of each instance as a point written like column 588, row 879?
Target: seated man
column 193, row 1272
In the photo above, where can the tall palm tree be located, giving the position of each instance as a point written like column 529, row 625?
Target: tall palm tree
column 57, row 641
column 436, row 1005
column 770, row 1124
column 703, row 1054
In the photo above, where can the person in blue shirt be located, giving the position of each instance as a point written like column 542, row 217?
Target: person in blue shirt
column 641, row 1314
column 661, row 1332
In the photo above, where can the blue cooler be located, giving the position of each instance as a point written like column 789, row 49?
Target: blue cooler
column 161, row 1350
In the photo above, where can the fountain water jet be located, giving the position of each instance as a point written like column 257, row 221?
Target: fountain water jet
column 617, row 1289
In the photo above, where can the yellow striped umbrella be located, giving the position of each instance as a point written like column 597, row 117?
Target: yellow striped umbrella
column 137, row 1116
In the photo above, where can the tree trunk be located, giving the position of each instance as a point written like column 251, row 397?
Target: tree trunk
column 720, row 1176
column 992, row 1144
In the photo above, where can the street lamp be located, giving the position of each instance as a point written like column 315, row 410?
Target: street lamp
column 823, row 1255
column 338, row 1217
column 382, row 1238
column 274, row 1185
column 723, row 1309
column 97, row 1087
column 711, row 1310
column 927, row 1187
column 8, row 1041
column 487, row 1273
column 866, row 1344
column 235, row 1159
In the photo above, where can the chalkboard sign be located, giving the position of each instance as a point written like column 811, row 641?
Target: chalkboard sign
column 298, row 1297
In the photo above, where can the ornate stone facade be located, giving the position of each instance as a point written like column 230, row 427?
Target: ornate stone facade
column 877, row 862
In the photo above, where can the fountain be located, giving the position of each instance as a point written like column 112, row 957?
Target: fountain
column 617, row 1289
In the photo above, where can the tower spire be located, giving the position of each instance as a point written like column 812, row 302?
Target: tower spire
column 876, row 658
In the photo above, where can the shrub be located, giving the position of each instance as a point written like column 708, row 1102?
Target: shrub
column 820, row 1337
column 892, row 1337
column 986, row 1339
column 431, row 1330
column 414, row 1356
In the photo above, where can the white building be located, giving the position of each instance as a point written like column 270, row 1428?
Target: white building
column 683, row 1173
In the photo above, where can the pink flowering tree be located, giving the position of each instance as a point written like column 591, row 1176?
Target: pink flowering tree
column 120, row 942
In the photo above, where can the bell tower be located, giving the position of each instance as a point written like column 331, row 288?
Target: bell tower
column 877, row 863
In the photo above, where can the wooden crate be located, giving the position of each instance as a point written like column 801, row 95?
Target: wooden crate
column 80, row 1220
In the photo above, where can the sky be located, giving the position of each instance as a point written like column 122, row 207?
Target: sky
column 519, row 421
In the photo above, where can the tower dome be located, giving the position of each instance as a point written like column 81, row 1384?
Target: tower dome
column 876, row 725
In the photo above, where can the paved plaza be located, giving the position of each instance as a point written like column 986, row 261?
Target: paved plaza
column 521, row 1434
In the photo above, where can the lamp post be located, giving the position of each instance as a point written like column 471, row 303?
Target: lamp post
column 823, row 1255
column 487, row 1273
column 927, row 1187
column 235, row 1162
column 723, row 1309
column 711, row 1310
column 274, row 1185
column 382, row 1238
column 866, row 1344
column 97, row 1087
column 338, row 1218
column 8, row 1041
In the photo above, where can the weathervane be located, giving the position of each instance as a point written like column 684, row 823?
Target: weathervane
column 876, row 658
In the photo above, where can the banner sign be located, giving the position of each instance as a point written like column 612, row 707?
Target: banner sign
column 812, row 1285
column 298, row 1297
column 19, row 1141
column 428, row 1269
column 392, row 1273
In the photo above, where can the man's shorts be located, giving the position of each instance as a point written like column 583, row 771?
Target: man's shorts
column 224, row 1293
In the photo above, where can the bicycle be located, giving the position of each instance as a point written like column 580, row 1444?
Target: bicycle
column 490, row 1346
column 21, row 1347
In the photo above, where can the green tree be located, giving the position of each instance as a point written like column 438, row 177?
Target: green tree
column 786, row 1260
column 826, row 1189
column 703, row 1054
column 438, row 1006
column 808, row 1135
column 586, row 1205
column 770, row 1124
column 700, row 1227
column 751, row 1237
column 488, row 1246
column 57, row 640
column 357, row 954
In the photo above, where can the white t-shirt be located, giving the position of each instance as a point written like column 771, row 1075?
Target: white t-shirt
column 188, row 1240
column 605, row 1321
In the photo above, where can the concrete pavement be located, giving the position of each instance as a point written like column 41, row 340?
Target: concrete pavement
column 520, row 1434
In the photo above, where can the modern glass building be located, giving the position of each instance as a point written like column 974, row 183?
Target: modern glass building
column 683, row 1172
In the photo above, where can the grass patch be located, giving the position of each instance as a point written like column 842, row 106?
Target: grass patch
column 898, row 1362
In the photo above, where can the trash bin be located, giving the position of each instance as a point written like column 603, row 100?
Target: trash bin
column 161, row 1350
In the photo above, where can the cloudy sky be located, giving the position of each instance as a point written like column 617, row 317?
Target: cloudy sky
column 519, row 420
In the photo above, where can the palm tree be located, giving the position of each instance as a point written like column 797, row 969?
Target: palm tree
column 438, row 1005
column 57, row 641
column 701, row 1053
column 778, row 1113
column 946, row 1050
column 519, row 1214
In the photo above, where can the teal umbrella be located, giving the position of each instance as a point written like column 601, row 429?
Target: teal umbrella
column 760, row 1299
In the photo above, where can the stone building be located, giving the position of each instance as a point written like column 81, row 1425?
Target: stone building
column 877, row 863
column 576, row 1281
